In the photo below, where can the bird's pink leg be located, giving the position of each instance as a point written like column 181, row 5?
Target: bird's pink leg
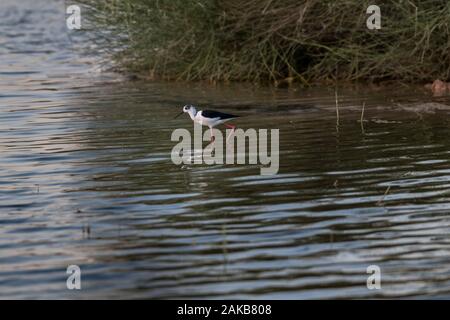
column 231, row 127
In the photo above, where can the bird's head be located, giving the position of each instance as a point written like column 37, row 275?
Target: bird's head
column 189, row 109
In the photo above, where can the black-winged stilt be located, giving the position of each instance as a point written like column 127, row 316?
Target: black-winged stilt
column 209, row 118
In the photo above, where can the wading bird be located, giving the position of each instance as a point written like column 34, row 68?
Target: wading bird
column 209, row 118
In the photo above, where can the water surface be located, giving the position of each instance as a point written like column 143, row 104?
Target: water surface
column 86, row 178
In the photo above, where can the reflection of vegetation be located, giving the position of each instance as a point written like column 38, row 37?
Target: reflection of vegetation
column 290, row 40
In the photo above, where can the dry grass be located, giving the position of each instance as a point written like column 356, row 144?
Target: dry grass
column 281, row 41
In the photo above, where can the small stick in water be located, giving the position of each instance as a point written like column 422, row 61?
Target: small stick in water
column 362, row 117
column 362, row 112
column 337, row 109
column 380, row 202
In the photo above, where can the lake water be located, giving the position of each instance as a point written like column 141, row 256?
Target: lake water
column 86, row 178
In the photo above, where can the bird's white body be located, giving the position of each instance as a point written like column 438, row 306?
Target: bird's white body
column 209, row 118
column 204, row 121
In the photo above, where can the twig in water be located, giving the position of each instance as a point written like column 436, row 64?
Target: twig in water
column 362, row 117
column 337, row 109
column 380, row 202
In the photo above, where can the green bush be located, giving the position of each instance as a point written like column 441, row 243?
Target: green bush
column 285, row 40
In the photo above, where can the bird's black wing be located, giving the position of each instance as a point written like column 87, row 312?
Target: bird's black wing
column 217, row 114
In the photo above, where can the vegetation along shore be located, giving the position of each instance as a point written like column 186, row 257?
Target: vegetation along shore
column 302, row 41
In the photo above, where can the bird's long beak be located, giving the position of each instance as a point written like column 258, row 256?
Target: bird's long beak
column 179, row 114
